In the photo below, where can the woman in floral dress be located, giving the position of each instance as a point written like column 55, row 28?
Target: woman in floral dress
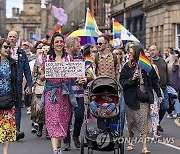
column 57, row 108
column 7, row 85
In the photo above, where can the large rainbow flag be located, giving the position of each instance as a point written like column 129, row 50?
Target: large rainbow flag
column 90, row 23
column 144, row 63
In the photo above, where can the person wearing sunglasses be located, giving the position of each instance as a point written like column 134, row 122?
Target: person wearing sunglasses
column 23, row 69
column 8, row 85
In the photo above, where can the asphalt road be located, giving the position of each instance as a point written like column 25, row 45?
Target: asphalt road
column 34, row 145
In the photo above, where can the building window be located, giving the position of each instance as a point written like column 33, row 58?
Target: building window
column 178, row 36
column 31, row 35
column 141, row 23
column 151, row 35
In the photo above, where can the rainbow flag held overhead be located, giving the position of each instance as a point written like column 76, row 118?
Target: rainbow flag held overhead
column 144, row 63
column 119, row 31
column 58, row 29
column 90, row 23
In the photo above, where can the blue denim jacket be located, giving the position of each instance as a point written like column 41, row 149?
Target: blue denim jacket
column 66, row 90
column 23, row 68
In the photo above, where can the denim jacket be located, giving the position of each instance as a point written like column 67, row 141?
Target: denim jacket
column 23, row 68
column 66, row 90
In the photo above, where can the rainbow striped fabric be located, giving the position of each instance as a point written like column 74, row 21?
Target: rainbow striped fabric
column 90, row 23
column 144, row 63
column 117, row 28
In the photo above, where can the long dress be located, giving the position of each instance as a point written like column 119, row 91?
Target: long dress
column 57, row 114
column 7, row 117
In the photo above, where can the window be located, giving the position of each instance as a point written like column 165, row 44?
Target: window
column 151, row 35
column 178, row 36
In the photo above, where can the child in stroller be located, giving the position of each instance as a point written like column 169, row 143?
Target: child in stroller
column 102, row 105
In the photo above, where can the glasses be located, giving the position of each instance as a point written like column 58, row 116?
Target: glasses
column 100, row 43
column 7, row 46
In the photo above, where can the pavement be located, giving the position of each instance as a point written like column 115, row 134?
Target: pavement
column 31, row 144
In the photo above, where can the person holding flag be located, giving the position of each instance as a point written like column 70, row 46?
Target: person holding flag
column 138, row 79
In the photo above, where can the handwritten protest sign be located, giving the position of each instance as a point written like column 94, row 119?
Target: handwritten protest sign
column 65, row 69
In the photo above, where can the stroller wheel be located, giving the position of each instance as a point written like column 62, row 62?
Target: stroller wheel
column 82, row 144
column 90, row 151
column 116, row 151
column 122, row 148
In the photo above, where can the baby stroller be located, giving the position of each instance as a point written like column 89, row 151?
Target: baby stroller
column 108, row 139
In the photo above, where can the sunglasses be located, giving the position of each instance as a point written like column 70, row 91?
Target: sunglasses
column 7, row 46
column 100, row 43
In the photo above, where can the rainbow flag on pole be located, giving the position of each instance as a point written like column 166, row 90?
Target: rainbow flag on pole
column 144, row 63
column 117, row 28
column 90, row 23
column 119, row 31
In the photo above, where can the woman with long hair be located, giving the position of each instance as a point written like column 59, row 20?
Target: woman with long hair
column 8, row 85
column 138, row 88
column 57, row 106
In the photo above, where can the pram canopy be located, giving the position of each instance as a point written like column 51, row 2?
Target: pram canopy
column 101, row 84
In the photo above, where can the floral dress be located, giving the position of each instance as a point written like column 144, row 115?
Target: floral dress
column 7, row 117
column 57, row 114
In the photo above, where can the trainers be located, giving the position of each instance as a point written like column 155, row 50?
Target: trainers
column 59, row 151
column 66, row 147
column 108, row 112
column 28, row 110
column 159, row 128
column 19, row 135
column 77, row 142
column 99, row 111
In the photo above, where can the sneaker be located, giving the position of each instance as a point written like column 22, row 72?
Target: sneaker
column 59, row 151
column 35, row 128
column 66, row 147
column 28, row 110
column 159, row 128
column 108, row 112
column 19, row 135
column 99, row 111
column 178, row 116
column 169, row 116
column 77, row 142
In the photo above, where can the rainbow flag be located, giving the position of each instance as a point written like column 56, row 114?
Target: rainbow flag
column 58, row 29
column 90, row 23
column 144, row 63
column 88, row 62
column 121, row 32
column 117, row 28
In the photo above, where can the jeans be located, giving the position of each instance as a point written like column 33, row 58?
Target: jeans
column 176, row 106
column 122, row 112
column 18, row 113
column 79, row 117
column 164, row 106
column 94, row 107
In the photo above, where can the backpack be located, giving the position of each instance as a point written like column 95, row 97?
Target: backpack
column 97, row 60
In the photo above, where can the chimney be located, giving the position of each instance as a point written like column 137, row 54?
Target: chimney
column 13, row 11
column 17, row 11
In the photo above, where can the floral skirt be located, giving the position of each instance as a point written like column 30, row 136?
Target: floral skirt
column 7, row 126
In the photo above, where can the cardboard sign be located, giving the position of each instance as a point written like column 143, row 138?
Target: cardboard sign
column 65, row 69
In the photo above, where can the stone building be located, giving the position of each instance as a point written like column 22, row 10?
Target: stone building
column 130, row 14
column 151, row 21
column 2, row 18
column 32, row 20
column 162, row 23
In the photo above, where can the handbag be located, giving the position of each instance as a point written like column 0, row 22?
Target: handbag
column 6, row 101
column 39, row 90
column 142, row 96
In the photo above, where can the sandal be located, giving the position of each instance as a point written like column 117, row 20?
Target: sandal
column 145, row 151
column 130, row 147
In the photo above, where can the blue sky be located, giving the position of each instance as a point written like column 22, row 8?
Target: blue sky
column 14, row 3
